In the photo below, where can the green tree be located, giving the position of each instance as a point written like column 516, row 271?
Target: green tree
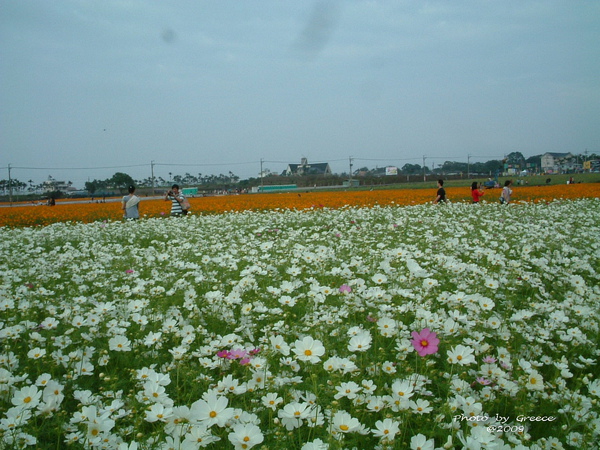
column 515, row 159
column 120, row 181
column 93, row 186
column 412, row 169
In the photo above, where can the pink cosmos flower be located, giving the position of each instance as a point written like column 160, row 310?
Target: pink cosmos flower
column 489, row 360
column 425, row 342
column 237, row 353
column 223, row 354
column 483, row 381
column 345, row 289
column 129, row 271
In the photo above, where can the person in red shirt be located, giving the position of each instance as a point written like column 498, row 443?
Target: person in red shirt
column 476, row 192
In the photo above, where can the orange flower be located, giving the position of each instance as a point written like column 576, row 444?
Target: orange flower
column 25, row 215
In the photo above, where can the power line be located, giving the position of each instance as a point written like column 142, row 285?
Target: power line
column 237, row 163
column 207, row 164
column 386, row 159
column 79, row 168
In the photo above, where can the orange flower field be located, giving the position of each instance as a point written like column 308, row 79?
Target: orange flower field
column 19, row 214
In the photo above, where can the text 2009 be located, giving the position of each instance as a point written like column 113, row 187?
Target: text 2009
column 506, row 428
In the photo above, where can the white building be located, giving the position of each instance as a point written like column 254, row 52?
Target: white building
column 557, row 162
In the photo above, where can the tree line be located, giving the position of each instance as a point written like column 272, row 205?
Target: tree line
column 120, row 181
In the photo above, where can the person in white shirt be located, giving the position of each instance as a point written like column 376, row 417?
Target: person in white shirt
column 129, row 204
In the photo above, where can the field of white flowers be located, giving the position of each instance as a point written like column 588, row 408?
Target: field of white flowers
column 422, row 327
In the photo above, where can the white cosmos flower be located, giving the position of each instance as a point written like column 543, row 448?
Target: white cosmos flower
column 158, row 412
column 245, row 436
column 198, row 436
column 387, row 326
column 420, row 406
column 36, row 353
column 119, row 343
column 293, row 414
column 271, row 400
column 317, row 444
column 347, row 389
column 280, row 345
column 211, row 410
column 379, row 278
column 361, row 342
column 420, row 442
column 343, row 422
column 386, row 429
column 594, row 388
column 28, row 397
column 461, row 355
column 535, row 381
column 388, row 367
column 309, row 349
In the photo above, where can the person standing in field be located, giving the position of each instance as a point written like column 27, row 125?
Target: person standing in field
column 441, row 193
column 177, row 201
column 506, row 192
column 476, row 192
column 129, row 204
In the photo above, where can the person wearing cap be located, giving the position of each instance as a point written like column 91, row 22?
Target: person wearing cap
column 129, row 204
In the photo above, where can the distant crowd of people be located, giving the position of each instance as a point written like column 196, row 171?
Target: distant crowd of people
column 477, row 192
column 180, row 206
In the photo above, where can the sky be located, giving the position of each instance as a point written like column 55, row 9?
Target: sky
column 90, row 88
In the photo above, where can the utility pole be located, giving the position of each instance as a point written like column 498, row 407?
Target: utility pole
column 262, row 174
column 350, row 159
column 152, row 176
column 9, row 186
column 424, row 176
column 468, row 166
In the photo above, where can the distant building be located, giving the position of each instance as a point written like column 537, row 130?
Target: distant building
column 593, row 165
column 51, row 185
column 557, row 162
column 304, row 168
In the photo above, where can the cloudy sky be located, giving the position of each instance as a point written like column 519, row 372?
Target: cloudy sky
column 90, row 88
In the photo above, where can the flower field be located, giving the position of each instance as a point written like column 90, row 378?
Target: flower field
column 25, row 215
column 305, row 325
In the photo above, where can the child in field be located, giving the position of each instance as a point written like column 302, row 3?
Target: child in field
column 506, row 192
column 476, row 192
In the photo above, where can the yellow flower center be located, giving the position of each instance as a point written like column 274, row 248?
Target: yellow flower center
column 213, row 414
